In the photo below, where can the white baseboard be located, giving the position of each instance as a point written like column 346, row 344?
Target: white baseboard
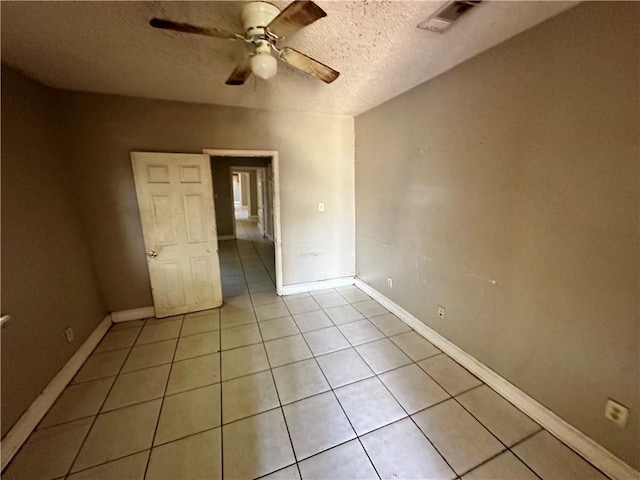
column 253, row 217
column 319, row 285
column 226, row 237
column 133, row 314
column 571, row 436
column 30, row 419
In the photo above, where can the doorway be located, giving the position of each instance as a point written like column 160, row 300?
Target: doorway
column 248, row 218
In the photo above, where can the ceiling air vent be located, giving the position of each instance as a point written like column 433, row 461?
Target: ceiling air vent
column 447, row 15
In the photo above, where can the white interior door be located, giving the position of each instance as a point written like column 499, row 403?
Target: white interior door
column 175, row 199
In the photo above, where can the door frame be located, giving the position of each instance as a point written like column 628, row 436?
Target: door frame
column 277, row 229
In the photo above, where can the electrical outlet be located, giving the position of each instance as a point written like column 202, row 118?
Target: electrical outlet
column 69, row 334
column 617, row 413
column 441, row 312
column 321, row 206
column 389, row 282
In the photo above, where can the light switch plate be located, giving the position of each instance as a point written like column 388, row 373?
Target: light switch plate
column 321, row 206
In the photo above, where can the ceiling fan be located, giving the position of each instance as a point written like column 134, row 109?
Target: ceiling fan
column 264, row 26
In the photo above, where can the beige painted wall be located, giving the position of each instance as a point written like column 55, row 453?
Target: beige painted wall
column 48, row 283
column 316, row 164
column 520, row 166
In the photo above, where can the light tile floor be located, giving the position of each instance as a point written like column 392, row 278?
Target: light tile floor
column 321, row 385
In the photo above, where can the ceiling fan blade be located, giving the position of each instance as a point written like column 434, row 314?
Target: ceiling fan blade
column 241, row 72
column 309, row 65
column 186, row 28
column 295, row 16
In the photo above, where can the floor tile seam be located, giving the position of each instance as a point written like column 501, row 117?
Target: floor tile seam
column 357, row 437
column 542, row 429
column 274, row 318
column 220, row 416
column 66, row 422
column 274, row 386
column 84, row 440
column 374, row 340
column 327, row 328
column 126, row 322
column 324, row 355
column 261, row 477
column 301, row 361
column 185, row 436
column 166, row 385
column 286, row 424
column 283, row 336
column 314, row 330
column 148, row 367
column 257, row 252
column 319, row 309
column 112, row 349
column 108, row 462
column 408, row 415
column 173, row 394
column 414, row 331
column 347, row 322
column 239, row 325
column 129, row 372
column 235, row 244
column 344, row 412
column 440, row 385
column 452, row 397
column 515, row 454
column 197, row 333
column 503, row 398
column 177, row 361
column 484, row 462
column 155, row 341
column 472, row 388
column 93, row 352
column 308, row 358
column 161, row 322
column 88, row 381
column 136, row 403
column 466, row 409
column 331, row 351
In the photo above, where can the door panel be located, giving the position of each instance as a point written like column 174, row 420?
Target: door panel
column 175, row 199
column 194, row 209
column 163, row 222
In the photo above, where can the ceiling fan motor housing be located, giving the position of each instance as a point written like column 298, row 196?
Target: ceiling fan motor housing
column 256, row 16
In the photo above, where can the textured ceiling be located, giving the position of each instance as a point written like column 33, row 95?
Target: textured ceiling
column 108, row 47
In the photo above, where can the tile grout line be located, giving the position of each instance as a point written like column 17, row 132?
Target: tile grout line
column 221, row 405
column 335, row 396
column 281, row 406
column 402, row 407
column 273, row 379
column 246, row 375
column 95, row 418
column 451, row 397
column 405, row 417
column 155, row 431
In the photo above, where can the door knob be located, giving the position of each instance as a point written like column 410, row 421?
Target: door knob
column 152, row 254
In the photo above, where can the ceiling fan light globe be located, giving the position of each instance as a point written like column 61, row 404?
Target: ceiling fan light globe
column 264, row 65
